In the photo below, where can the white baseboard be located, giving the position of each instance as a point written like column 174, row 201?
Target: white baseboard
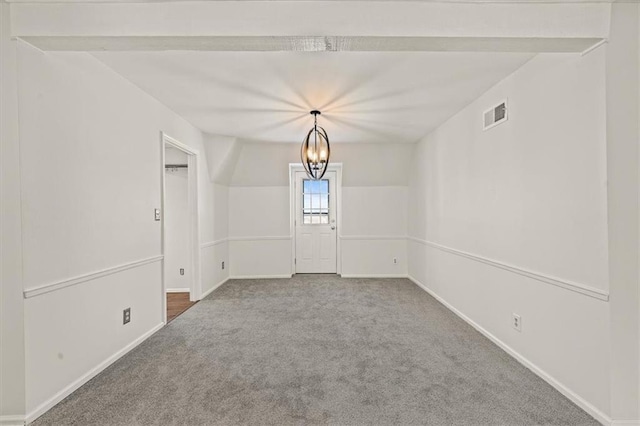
column 575, row 398
column 47, row 405
column 179, row 290
column 11, row 420
column 208, row 292
column 374, row 275
column 625, row 423
column 259, row 277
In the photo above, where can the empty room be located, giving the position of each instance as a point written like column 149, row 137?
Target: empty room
column 221, row 212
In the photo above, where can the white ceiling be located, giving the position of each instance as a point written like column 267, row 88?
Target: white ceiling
column 374, row 97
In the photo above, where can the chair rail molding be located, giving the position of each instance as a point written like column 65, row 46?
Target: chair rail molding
column 262, row 238
column 57, row 285
column 372, row 237
column 213, row 243
column 558, row 282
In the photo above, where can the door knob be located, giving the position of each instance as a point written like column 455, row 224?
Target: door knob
column 333, row 227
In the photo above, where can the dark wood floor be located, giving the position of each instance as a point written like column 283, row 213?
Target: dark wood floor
column 177, row 303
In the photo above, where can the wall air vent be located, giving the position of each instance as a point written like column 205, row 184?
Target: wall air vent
column 496, row 115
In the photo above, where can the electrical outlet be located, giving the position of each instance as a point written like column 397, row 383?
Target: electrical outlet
column 223, row 265
column 517, row 322
column 395, row 260
column 156, row 214
column 126, row 316
column 181, row 271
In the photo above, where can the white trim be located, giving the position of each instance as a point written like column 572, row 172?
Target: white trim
column 259, row 277
column 195, row 279
column 178, row 290
column 47, row 288
column 559, row 282
column 176, row 143
column 625, row 423
column 575, row 398
column 594, row 47
column 208, row 292
column 373, row 237
column 374, row 276
column 213, row 243
column 47, row 405
column 12, row 420
column 261, row 238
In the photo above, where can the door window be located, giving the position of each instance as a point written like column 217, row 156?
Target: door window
column 315, row 202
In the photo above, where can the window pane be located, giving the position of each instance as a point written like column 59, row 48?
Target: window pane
column 315, row 201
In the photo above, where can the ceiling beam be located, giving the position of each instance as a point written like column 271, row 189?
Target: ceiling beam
column 310, row 44
column 318, row 18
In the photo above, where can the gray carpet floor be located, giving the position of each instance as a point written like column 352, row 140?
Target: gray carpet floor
column 317, row 349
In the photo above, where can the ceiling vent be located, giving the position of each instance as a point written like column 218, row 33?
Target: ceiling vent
column 496, row 115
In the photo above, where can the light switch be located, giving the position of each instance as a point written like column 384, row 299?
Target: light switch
column 157, row 214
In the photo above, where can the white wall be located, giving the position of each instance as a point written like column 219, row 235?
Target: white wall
column 220, row 153
column 623, row 137
column 90, row 154
column 374, row 229
column 176, row 224
column 12, row 365
column 259, row 231
column 374, row 209
column 497, row 217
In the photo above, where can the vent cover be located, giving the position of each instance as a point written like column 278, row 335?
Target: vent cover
column 495, row 115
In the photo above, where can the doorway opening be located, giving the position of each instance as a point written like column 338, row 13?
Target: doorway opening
column 315, row 219
column 181, row 266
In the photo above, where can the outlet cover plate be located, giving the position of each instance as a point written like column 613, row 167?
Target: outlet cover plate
column 517, row 322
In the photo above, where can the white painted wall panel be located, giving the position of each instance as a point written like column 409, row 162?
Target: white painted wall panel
column 260, row 258
column 91, row 158
column 177, row 242
column 73, row 330
column 364, row 164
column 374, row 210
column 212, row 257
column 368, row 212
column 259, row 211
column 564, row 333
column 221, row 213
column 374, row 257
column 12, row 365
column 530, row 192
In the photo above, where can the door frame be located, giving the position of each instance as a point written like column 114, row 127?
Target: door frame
column 297, row 167
column 195, row 284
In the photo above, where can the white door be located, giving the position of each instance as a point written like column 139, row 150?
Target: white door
column 316, row 234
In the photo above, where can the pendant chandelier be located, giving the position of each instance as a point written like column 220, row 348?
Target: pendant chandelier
column 315, row 150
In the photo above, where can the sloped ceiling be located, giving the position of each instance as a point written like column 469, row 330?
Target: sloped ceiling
column 365, row 97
